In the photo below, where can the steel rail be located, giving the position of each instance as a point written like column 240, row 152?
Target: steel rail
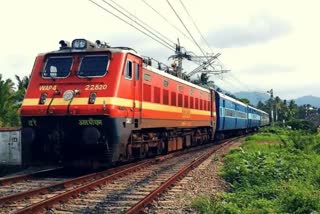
column 64, row 184
column 89, row 182
column 88, row 186
column 13, row 179
column 151, row 196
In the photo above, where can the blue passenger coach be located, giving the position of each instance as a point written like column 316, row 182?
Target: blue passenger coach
column 265, row 120
column 232, row 114
column 235, row 117
column 254, row 118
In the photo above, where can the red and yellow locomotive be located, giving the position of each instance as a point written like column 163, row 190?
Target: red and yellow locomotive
column 90, row 102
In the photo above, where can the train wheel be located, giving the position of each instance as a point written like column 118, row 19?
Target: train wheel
column 129, row 151
column 144, row 151
column 160, row 148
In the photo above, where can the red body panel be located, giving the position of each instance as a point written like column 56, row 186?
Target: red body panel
column 118, row 96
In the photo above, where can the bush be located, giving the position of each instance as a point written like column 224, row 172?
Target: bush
column 270, row 178
column 302, row 125
column 299, row 197
column 304, row 142
column 213, row 205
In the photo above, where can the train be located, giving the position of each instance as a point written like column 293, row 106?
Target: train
column 90, row 103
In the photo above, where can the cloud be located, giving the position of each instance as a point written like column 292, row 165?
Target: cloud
column 268, row 69
column 15, row 64
column 259, row 29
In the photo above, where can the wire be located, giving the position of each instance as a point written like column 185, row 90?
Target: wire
column 186, row 28
column 195, row 42
column 143, row 22
column 164, row 18
column 103, row 8
column 231, row 82
column 205, row 41
column 137, row 23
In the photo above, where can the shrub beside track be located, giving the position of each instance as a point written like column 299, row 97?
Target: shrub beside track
column 276, row 171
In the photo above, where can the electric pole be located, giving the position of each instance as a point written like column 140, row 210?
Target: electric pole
column 180, row 57
column 271, row 105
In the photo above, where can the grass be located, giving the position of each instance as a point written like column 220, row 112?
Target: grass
column 282, row 176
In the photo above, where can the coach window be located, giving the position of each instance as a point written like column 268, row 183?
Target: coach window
column 128, row 71
column 137, row 71
column 147, row 77
column 165, row 83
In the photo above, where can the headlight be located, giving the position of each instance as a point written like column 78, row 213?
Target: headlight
column 92, row 97
column 68, row 95
column 79, row 44
column 43, row 98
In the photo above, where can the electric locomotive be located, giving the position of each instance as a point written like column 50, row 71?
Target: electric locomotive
column 89, row 102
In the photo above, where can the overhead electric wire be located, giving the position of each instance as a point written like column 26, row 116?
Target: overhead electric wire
column 157, row 39
column 229, row 81
column 194, row 23
column 115, row 8
column 142, row 21
column 160, row 42
column 175, row 12
column 194, row 41
column 164, row 18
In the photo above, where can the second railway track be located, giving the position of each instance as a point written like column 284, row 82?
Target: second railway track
column 128, row 188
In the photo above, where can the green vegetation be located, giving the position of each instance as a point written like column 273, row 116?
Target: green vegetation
column 10, row 100
column 275, row 171
column 284, row 111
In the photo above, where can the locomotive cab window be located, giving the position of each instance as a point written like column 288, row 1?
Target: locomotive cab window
column 93, row 66
column 128, row 71
column 57, row 67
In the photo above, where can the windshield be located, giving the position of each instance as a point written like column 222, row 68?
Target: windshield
column 94, row 66
column 57, row 67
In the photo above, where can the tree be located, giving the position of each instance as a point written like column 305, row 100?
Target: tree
column 8, row 107
column 277, row 107
column 293, row 110
column 262, row 106
column 244, row 100
column 203, row 80
column 22, row 87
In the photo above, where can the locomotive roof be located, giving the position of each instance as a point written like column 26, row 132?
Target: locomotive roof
column 169, row 76
column 131, row 51
column 111, row 49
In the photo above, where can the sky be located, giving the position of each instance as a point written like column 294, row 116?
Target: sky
column 265, row 44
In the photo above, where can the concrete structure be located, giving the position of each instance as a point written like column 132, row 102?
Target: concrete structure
column 10, row 146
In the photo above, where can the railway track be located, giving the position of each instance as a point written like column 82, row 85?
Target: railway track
column 127, row 188
column 12, row 179
column 169, row 183
column 24, row 182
